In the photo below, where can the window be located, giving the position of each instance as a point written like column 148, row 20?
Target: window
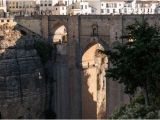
column 65, row 2
column 16, row 4
column 102, row 4
column 81, row 6
column 7, row 20
column 2, row 20
column 107, row 5
column 102, row 11
column 107, row 10
column 120, row 11
column 125, row 10
column 49, row 4
column 85, row 6
column 115, row 5
column 114, row 10
column 94, row 29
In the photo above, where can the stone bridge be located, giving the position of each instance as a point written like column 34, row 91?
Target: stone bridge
column 80, row 88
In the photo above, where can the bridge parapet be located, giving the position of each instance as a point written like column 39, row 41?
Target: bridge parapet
column 31, row 23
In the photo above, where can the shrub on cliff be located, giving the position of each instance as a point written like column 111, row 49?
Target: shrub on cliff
column 136, row 110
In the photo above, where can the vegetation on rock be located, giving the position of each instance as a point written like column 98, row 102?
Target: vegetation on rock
column 136, row 110
column 136, row 64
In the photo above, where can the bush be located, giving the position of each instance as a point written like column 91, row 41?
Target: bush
column 135, row 110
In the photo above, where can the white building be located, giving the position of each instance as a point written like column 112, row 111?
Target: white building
column 78, row 8
column 146, row 7
column 21, row 7
column 112, row 6
column 85, row 8
column 129, row 6
column 3, row 5
column 46, row 5
column 59, row 9
column 95, row 6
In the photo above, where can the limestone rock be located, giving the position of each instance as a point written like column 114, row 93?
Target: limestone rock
column 22, row 89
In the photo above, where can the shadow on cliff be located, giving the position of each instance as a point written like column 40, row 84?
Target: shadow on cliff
column 23, row 83
column 89, row 106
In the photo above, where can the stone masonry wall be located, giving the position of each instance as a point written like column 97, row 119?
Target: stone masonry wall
column 80, row 35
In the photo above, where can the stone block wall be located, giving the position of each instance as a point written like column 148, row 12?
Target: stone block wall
column 67, row 69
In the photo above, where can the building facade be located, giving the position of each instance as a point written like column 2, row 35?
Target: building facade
column 80, row 7
column 129, row 6
column 59, row 9
column 21, row 7
column 3, row 5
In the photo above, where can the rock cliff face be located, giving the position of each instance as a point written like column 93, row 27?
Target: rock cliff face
column 22, row 81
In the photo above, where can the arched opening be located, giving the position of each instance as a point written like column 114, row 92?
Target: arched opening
column 94, row 65
column 60, row 34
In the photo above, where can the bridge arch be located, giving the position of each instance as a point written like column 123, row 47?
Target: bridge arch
column 58, row 31
column 94, row 65
column 93, row 40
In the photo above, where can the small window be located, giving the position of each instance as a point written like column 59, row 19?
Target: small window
column 65, row 2
column 92, row 11
column 7, row 20
column 114, row 10
column 2, row 20
column 115, row 5
column 102, row 11
column 107, row 10
column 81, row 6
column 85, row 6
column 95, row 30
column 107, row 5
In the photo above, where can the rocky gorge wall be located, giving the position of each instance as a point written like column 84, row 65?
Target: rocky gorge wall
column 23, row 89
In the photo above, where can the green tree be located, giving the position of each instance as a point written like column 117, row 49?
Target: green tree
column 136, row 63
